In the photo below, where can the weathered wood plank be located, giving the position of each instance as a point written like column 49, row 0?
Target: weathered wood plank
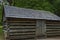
column 17, row 27
column 52, row 24
column 53, row 28
column 54, row 32
column 21, row 37
column 20, row 19
column 29, row 38
column 41, row 28
column 21, row 23
column 20, row 30
column 32, row 33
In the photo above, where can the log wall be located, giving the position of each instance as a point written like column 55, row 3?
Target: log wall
column 21, row 29
column 53, row 28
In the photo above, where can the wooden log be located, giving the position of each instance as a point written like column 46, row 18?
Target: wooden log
column 20, row 21
column 52, row 32
column 21, row 30
column 53, row 24
column 22, row 37
column 17, row 27
column 31, row 33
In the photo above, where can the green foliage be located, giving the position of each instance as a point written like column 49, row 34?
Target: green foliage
column 48, row 5
column 34, row 4
column 57, row 6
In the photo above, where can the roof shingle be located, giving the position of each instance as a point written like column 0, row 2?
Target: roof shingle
column 16, row 12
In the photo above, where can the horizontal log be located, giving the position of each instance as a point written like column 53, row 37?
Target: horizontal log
column 21, row 37
column 52, row 32
column 21, row 30
column 22, row 24
column 24, row 33
column 20, row 21
column 16, row 19
column 21, row 34
column 52, row 29
column 31, row 38
column 53, row 24
column 17, row 27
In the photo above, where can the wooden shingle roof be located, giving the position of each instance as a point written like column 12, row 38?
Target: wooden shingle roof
column 16, row 12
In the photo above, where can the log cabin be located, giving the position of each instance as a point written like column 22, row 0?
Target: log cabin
column 24, row 24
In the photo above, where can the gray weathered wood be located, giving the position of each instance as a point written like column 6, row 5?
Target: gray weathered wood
column 41, row 28
column 21, row 29
column 53, row 28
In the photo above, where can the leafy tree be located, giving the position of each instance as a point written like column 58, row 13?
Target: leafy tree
column 35, row 4
column 56, row 5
